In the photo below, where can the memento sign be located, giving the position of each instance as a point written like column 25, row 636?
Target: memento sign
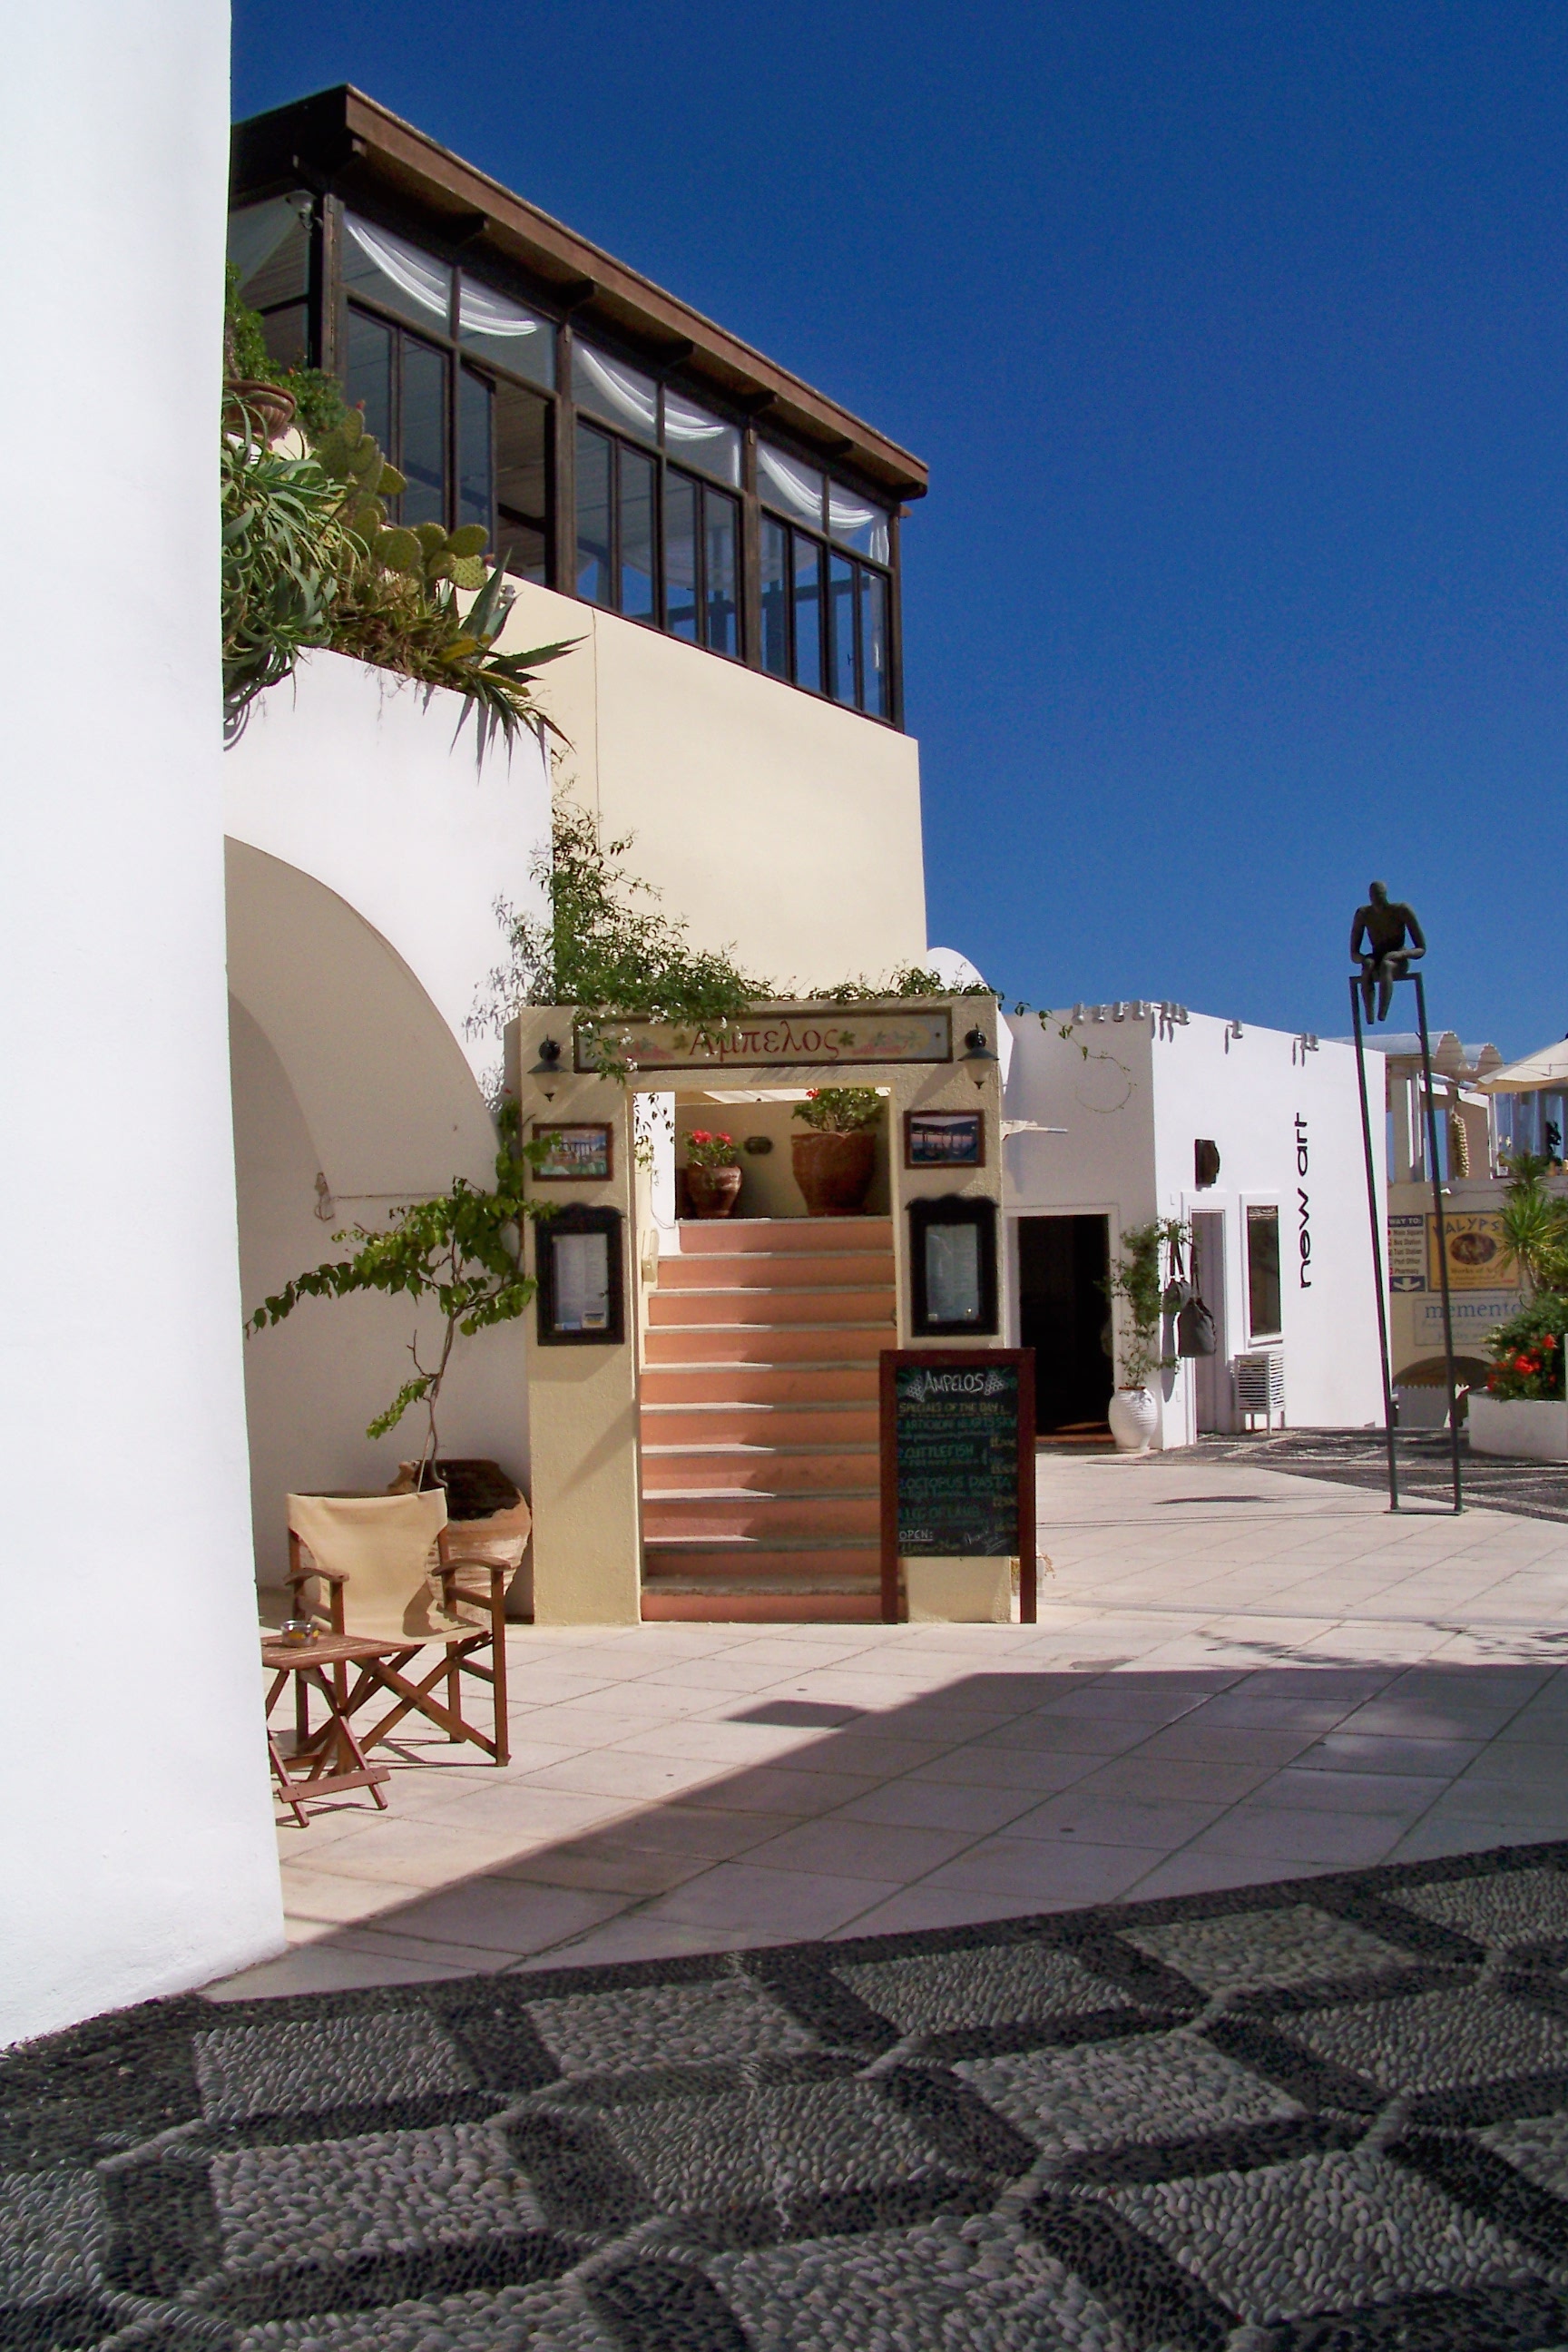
column 958, row 1460
column 797, row 1037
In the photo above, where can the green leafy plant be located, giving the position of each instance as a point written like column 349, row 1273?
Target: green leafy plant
column 602, row 945
column 460, row 1253
column 1535, row 1225
column 318, row 403
column 390, row 619
column 839, row 1110
column 283, row 549
column 705, row 1149
column 1527, row 1351
column 1137, row 1282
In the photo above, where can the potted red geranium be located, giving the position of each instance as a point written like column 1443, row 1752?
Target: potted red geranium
column 712, row 1173
column 1523, row 1409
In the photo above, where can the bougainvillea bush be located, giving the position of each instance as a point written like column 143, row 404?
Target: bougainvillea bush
column 1527, row 1351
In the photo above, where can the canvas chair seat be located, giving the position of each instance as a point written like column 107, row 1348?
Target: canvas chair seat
column 378, row 1568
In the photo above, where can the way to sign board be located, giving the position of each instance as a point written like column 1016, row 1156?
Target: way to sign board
column 958, row 1461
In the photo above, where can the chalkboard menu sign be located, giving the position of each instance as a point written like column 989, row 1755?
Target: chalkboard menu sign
column 958, row 1460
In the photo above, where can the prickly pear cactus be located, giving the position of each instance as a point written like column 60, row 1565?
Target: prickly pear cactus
column 350, row 454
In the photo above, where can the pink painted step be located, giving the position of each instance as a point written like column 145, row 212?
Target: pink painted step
column 763, row 1469
column 794, row 1304
column 724, row 1236
column 674, row 1516
column 775, row 1270
column 721, row 1343
column 751, row 1607
column 729, row 1421
column 747, row 1385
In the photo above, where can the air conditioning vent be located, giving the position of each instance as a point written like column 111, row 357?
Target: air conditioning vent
column 1260, row 1384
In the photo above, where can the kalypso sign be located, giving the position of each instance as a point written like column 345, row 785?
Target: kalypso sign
column 798, row 1035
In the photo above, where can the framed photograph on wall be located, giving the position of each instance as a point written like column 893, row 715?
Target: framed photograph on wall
column 944, row 1139
column 576, row 1153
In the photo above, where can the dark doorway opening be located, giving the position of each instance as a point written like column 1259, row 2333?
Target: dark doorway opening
column 1065, row 1316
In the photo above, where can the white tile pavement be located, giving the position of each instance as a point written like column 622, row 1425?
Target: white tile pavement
column 1237, row 1674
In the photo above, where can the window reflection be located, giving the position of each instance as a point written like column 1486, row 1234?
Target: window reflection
column 476, row 481
column 680, row 556
column 775, row 597
column 369, row 375
column 874, row 684
column 424, row 433
column 807, row 612
column 841, row 628
column 593, row 574
column 637, row 535
column 721, row 541
column 521, row 480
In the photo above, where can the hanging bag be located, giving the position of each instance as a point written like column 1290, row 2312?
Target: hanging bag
column 1195, row 1334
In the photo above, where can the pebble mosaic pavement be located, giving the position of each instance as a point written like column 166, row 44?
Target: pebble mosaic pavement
column 1326, row 2115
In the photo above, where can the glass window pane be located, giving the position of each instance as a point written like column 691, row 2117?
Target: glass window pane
column 808, row 558
column 286, row 333
column 876, row 685
column 841, row 628
column 775, row 598
column 269, row 246
column 396, row 275
column 680, row 556
column 423, row 423
column 784, row 482
column 593, row 573
column 699, row 439
column 475, row 479
column 637, row 535
column 721, row 541
column 953, row 1274
column 521, row 480
column 369, row 375
column 504, row 332
column 1263, row 1273
column 857, row 523
column 620, row 395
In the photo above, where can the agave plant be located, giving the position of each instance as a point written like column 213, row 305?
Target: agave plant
column 283, row 546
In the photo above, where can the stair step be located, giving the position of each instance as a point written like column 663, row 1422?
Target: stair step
column 816, row 1344
column 733, row 1421
column 715, row 1236
column 775, row 1269
column 675, row 1514
column 753, row 1387
column 796, row 1303
column 757, row 1469
column 660, row 1607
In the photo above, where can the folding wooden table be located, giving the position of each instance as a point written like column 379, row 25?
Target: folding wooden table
column 333, row 1753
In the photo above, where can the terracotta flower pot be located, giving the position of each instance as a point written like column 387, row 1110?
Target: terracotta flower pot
column 268, row 408
column 713, row 1192
column 834, row 1171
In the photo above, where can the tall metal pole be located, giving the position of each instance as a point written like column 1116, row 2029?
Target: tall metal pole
column 1376, row 1251
column 1442, row 1239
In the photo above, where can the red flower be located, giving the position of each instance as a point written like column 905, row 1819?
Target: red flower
column 721, row 1138
column 1547, row 1340
column 701, row 1135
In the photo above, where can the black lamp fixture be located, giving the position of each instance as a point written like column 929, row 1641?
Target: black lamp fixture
column 547, row 1069
column 977, row 1053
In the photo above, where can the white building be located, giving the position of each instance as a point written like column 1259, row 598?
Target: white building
column 1252, row 1134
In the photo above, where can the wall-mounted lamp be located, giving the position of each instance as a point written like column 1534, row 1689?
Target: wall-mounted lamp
column 977, row 1053
column 1233, row 1029
column 546, row 1071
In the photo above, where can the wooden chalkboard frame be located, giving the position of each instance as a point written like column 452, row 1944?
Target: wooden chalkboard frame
column 891, row 1362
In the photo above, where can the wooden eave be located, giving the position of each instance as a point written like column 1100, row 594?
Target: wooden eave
column 345, row 139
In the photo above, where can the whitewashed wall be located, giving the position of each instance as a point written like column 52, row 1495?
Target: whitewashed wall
column 136, row 1846
column 368, row 843
column 1133, row 1109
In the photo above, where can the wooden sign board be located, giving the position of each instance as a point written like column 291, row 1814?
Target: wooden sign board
column 958, row 1461
column 805, row 1035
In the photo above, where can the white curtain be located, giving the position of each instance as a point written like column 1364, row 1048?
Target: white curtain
column 628, row 395
column 713, row 444
column 847, row 517
column 480, row 312
column 426, row 281
column 790, row 484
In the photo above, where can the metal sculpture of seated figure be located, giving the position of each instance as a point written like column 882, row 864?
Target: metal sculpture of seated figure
column 1392, row 939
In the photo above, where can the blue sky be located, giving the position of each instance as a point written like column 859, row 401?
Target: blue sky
column 1234, row 336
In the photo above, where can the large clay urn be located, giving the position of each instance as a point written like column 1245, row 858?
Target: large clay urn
column 834, row 1171
column 713, row 1192
column 249, row 403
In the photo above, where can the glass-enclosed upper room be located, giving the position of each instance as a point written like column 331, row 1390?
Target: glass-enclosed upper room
column 617, row 447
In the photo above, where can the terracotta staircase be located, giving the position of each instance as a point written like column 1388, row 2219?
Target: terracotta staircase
column 759, row 1420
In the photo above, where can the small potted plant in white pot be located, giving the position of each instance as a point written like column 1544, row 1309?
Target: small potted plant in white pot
column 712, row 1173
column 1135, row 1283
column 835, row 1160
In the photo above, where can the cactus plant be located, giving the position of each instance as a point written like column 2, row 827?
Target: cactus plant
column 431, row 555
column 350, row 454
